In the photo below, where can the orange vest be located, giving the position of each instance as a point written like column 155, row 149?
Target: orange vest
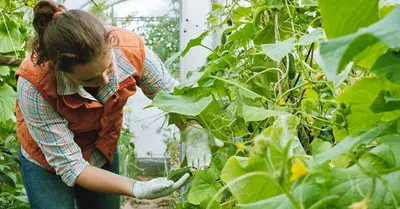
column 93, row 124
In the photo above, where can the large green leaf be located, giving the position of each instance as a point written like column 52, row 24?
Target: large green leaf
column 314, row 36
column 279, row 50
column 393, row 141
column 7, row 102
column 241, row 12
column 214, row 205
column 252, row 188
column 379, row 157
column 190, row 103
column 350, row 143
column 386, row 9
column 252, row 113
column 283, row 132
column 194, row 42
column 274, row 3
column 385, row 102
column 361, row 96
column 4, row 70
column 337, row 53
column 306, row 196
column 10, row 37
column 244, row 32
column 368, row 57
column 204, row 185
column 264, row 35
column 319, row 146
column 343, row 17
column 278, row 202
column 342, row 76
column 388, row 66
column 352, row 185
column 308, row 2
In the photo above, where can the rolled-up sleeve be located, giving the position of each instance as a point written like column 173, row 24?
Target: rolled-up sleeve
column 51, row 133
column 155, row 76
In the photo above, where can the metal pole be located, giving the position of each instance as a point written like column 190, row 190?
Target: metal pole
column 84, row 4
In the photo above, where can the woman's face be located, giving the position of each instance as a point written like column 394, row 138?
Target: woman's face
column 95, row 73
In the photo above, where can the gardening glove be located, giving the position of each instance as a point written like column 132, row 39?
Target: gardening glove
column 196, row 145
column 155, row 188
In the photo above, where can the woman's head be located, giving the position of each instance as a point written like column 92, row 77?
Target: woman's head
column 74, row 42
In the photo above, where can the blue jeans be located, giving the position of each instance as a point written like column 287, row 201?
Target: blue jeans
column 46, row 190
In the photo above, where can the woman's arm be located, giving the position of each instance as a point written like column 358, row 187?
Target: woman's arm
column 100, row 180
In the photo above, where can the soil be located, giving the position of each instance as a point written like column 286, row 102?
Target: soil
column 161, row 203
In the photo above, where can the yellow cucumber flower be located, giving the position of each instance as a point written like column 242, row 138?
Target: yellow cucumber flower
column 240, row 146
column 298, row 170
column 282, row 101
column 310, row 120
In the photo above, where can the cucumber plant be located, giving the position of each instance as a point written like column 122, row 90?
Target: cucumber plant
column 305, row 95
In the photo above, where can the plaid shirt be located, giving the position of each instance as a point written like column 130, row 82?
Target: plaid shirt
column 51, row 131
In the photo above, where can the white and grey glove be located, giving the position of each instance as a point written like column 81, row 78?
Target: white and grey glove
column 158, row 187
column 196, row 143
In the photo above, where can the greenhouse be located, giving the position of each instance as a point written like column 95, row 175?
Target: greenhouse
column 206, row 104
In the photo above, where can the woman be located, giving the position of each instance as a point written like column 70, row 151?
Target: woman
column 71, row 92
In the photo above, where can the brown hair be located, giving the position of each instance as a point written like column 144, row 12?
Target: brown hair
column 66, row 39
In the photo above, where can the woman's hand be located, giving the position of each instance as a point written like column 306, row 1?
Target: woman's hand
column 155, row 188
column 196, row 142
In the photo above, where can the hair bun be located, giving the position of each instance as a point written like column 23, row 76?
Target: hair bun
column 43, row 14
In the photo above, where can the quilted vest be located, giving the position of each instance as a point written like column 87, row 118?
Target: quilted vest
column 93, row 124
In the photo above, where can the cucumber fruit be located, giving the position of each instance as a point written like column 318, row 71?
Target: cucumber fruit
column 175, row 175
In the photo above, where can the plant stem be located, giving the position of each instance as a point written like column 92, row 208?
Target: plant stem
column 291, row 198
column 237, row 85
column 264, row 71
column 277, row 40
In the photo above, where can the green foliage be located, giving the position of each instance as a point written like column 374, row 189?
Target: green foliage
column 204, row 185
column 342, row 17
column 101, row 10
column 7, row 102
column 162, row 36
column 15, row 32
column 300, row 130
column 339, row 52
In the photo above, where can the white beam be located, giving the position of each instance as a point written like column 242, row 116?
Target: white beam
column 193, row 23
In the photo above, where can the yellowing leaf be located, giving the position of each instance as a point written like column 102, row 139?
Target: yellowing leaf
column 298, row 170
